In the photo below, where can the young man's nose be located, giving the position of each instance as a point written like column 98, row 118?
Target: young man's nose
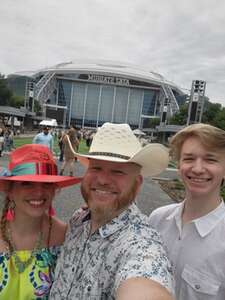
column 198, row 165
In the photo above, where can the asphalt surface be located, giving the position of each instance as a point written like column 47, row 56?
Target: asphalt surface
column 69, row 199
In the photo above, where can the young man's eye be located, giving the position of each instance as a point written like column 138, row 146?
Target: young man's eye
column 212, row 160
column 187, row 159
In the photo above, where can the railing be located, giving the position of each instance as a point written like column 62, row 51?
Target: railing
column 45, row 87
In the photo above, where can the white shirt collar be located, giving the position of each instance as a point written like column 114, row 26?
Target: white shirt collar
column 208, row 222
column 205, row 224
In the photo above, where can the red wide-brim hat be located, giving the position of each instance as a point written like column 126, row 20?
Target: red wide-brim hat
column 34, row 163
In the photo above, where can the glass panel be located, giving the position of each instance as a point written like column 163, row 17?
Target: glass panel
column 135, row 104
column 91, row 111
column 105, row 113
column 77, row 109
column 120, row 105
column 149, row 102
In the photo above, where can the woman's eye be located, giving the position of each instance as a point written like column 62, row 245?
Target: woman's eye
column 26, row 184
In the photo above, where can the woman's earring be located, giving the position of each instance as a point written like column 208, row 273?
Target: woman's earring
column 10, row 213
column 51, row 211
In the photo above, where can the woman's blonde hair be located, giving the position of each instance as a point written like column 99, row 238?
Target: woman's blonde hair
column 211, row 137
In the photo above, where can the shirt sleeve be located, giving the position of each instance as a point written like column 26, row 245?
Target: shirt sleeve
column 146, row 258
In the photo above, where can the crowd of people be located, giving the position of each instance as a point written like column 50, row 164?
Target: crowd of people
column 109, row 249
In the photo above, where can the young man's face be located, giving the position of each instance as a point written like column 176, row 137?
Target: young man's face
column 201, row 169
column 108, row 187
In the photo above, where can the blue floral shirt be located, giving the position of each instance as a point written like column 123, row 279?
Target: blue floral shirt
column 92, row 266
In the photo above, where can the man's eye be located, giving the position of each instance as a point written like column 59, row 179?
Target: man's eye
column 212, row 160
column 187, row 159
column 94, row 168
column 118, row 172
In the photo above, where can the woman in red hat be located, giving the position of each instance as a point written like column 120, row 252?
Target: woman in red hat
column 30, row 234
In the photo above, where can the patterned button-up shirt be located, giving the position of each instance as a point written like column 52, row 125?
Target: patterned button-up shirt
column 92, row 266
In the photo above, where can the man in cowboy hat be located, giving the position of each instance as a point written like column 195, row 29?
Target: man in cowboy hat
column 111, row 252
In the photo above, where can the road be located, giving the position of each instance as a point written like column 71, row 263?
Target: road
column 69, row 199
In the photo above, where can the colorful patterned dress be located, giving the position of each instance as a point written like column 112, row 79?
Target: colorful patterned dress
column 34, row 282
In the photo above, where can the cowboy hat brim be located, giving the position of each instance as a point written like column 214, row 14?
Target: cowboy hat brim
column 59, row 181
column 153, row 159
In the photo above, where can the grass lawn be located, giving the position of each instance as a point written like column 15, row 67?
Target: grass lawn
column 19, row 141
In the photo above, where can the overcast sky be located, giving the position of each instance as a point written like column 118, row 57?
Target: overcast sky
column 182, row 40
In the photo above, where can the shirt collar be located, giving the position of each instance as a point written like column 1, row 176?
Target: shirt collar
column 176, row 214
column 205, row 224
column 119, row 222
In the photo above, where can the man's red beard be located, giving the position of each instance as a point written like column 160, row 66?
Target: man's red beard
column 108, row 211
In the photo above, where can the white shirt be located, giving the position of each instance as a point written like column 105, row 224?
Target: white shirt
column 197, row 251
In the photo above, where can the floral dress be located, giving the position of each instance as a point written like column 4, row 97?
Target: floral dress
column 34, row 282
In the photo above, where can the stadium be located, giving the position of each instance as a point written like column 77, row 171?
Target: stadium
column 88, row 93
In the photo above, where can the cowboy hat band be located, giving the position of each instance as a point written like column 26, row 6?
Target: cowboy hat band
column 110, row 154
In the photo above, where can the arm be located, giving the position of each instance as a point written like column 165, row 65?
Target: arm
column 34, row 140
column 142, row 289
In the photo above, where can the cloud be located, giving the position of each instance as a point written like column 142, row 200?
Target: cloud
column 182, row 40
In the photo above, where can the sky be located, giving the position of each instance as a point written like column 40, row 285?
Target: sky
column 183, row 40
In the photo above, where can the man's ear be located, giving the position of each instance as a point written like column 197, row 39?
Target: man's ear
column 139, row 181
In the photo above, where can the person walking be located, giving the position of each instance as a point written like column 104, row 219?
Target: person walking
column 44, row 138
column 1, row 142
column 70, row 143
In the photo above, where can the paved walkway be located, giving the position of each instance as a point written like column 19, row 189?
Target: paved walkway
column 150, row 197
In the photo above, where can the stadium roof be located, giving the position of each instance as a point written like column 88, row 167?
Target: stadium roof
column 100, row 67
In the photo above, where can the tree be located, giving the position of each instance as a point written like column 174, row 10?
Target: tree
column 5, row 92
column 16, row 101
column 180, row 118
column 210, row 112
column 219, row 119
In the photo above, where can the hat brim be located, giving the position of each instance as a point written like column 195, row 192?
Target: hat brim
column 153, row 159
column 59, row 181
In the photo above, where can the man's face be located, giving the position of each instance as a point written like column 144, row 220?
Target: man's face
column 109, row 187
column 45, row 131
column 201, row 169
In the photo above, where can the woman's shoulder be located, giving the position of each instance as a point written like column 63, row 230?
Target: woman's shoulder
column 58, row 232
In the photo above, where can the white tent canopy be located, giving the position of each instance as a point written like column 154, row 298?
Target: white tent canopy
column 51, row 123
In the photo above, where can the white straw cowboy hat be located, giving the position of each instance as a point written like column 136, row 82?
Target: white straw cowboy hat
column 117, row 143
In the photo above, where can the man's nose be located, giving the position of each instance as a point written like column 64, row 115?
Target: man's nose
column 198, row 165
column 104, row 178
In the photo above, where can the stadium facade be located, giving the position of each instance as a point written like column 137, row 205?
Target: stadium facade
column 88, row 93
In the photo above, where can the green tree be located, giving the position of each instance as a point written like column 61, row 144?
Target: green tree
column 5, row 92
column 180, row 118
column 219, row 119
column 16, row 101
column 210, row 112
